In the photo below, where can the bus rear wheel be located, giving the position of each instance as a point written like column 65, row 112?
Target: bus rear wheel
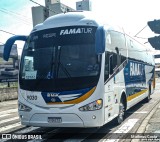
column 149, row 94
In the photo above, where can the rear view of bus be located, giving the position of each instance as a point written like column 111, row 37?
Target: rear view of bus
column 59, row 74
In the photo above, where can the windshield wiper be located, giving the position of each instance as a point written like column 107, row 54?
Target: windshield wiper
column 64, row 69
column 50, row 73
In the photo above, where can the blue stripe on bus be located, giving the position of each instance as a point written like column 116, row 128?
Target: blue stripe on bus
column 135, row 77
column 54, row 97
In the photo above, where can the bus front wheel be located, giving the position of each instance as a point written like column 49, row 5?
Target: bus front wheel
column 120, row 117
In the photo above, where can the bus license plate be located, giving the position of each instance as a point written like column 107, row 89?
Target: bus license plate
column 54, row 119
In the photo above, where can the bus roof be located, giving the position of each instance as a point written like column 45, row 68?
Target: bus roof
column 87, row 18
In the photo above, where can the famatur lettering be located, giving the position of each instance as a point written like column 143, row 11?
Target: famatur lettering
column 76, row 31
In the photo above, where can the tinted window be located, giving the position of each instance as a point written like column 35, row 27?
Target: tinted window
column 56, row 58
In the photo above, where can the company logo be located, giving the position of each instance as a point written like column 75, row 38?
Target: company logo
column 76, row 31
column 136, row 69
column 52, row 95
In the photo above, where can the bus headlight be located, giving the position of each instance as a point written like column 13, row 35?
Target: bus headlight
column 23, row 107
column 96, row 105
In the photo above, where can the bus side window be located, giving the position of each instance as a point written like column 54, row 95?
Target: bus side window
column 106, row 67
column 118, row 44
column 114, row 61
column 111, row 64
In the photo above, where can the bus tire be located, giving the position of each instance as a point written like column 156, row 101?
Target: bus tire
column 149, row 95
column 121, row 114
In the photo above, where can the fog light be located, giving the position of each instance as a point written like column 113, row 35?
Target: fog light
column 21, row 116
column 94, row 117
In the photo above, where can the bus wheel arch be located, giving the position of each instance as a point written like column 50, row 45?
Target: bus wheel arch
column 122, row 108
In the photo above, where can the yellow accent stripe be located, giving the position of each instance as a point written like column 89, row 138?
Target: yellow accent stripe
column 129, row 98
column 76, row 101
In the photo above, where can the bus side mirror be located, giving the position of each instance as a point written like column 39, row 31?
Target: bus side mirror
column 9, row 43
column 100, row 40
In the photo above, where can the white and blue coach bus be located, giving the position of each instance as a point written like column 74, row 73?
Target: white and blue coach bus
column 76, row 71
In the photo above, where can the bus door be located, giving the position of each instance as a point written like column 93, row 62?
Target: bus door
column 109, row 87
column 115, row 55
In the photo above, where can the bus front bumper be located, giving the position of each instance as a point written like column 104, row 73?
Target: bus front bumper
column 49, row 120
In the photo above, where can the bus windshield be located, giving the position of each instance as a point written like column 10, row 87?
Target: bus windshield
column 60, row 59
